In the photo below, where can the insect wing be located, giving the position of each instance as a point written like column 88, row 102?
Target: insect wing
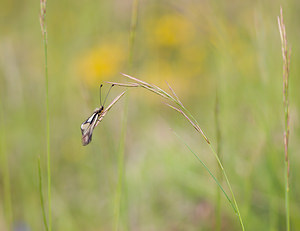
column 87, row 128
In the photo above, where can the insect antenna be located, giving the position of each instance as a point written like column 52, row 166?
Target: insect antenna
column 107, row 94
column 100, row 94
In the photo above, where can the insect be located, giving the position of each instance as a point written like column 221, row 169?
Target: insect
column 88, row 126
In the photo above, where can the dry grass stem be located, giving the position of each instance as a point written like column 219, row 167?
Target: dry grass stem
column 182, row 110
column 43, row 4
column 286, row 54
column 173, row 92
column 109, row 107
column 198, row 129
column 124, row 84
column 150, row 87
column 155, row 89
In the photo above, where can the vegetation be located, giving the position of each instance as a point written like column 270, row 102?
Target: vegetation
column 223, row 60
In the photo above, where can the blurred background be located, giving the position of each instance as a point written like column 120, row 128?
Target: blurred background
column 202, row 49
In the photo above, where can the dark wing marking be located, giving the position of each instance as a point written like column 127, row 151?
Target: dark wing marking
column 87, row 128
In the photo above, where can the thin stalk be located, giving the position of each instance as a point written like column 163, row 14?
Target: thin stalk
column 41, row 194
column 43, row 4
column 220, row 164
column 222, row 169
column 134, row 17
column 229, row 186
column 207, row 169
column 121, row 164
column 120, row 183
column 286, row 53
column 218, row 134
column 6, row 174
column 287, row 197
column 192, row 121
column 48, row 138
column 273, row 214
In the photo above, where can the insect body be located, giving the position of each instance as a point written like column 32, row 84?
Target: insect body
column 88, row 126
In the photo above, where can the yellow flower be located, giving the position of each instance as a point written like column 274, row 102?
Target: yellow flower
column 101, row 63
column 172, row 30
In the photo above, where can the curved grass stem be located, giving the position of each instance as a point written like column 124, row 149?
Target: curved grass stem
column 207, row 169
column 190, row 118
column 229, row 186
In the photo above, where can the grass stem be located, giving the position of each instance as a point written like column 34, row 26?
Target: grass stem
column 218, row 140
column 48, row 139
column 229, row 186
column 120, row 183
column 5, row 172
column 286, row 54
column 121, row 164
column 134, row 17
column 207, row 169
column 43, row 4
column 41, row 194
column 182, row 110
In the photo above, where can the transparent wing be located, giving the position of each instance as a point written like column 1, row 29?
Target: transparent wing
column 87, row 128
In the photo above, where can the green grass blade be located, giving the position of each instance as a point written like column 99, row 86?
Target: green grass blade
column 229, row 186
column 48, row 140
column 207, row 169
column 134, row 17
column 195, row 124
column 41, row 194
column 43, row 4
column 121, row 164
column 218, row 135
column 5, row 172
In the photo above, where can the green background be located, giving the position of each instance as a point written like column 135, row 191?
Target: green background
column 198, row 47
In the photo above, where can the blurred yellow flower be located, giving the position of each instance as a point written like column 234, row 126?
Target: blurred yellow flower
column 101, row 63
column 172, row 30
